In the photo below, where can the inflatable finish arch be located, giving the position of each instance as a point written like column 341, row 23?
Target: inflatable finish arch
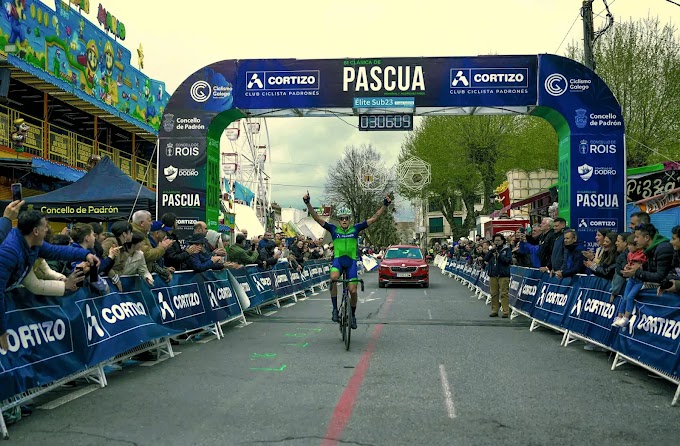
column 578, row 104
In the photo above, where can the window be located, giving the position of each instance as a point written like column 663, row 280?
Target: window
column 436, row 224
column 433, row 206
column 403, row 253
column 458, row 221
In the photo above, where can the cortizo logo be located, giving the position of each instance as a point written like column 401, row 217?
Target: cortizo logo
column 529, row 290
column 379, row 78
column 281, row 278
column 598, row 307
column 262, row 282
column 31, row 335
column 217, row 294
column 514, row 285
column 667, row 328
column 294, row 276
column 552, row 297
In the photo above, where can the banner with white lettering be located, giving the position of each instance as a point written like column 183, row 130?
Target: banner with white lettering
column 591, row 314
column 50, row 338
column 263, row 285
column 653, row 334
column 528, row 288
column 553, row 301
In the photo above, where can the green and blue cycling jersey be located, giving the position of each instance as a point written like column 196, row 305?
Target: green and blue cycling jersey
column 345, row 246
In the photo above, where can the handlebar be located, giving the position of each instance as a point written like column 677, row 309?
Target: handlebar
column 350, row 281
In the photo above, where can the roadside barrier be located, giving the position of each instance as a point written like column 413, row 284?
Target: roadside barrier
column 579, row 308
column 56, row 340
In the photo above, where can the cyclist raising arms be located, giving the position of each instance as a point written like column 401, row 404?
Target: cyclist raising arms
column 345, row 242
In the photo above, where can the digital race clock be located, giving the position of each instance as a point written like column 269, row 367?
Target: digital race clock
column 386, row 121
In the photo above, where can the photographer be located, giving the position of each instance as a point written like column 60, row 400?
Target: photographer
column 499, row 259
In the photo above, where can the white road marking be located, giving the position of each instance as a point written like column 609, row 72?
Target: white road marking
column 429, row 313
column 288, row 305
column 425, row 291
column 269, row 313
column 70, row 397
column 447, row 392
column 207, row 339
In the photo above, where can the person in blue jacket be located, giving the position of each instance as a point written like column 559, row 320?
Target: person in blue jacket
column 573, row 262
column 18, row 253
column 499, row 259
column 527, row 248
column 11, row 213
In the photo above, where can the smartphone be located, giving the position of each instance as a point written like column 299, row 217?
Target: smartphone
column 16, row 192
column 81, row 283
column 94, row 274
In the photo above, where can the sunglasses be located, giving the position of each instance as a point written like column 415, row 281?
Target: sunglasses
column 344, row 218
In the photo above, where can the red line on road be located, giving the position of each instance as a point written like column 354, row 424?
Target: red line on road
column 343, row 410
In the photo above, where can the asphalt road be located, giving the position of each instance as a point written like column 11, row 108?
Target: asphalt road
column 426, row 367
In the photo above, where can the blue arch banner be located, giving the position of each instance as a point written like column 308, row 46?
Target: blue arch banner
column 582, row 109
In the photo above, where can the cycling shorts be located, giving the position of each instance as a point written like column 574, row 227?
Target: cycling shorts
column 348, row 264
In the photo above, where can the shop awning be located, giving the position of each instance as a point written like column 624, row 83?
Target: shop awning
column 530, row 200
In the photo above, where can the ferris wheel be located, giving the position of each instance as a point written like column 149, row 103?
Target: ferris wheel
column 246, row 160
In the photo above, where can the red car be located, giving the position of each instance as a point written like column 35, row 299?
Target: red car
column 403, row 264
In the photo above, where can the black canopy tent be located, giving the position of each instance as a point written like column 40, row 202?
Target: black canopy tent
column 105, row 193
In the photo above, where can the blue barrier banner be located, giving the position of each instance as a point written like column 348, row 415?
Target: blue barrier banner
column 483, row 282
column 653, row 335
column 554, row 299
column 241, row 276
column 296, row 281
column 50, row 338
column 283, row 286
column 306, row 277
column 180, row 304
column 591, row 314
column 528, row 289
column 516, row 280
column 263, row 285
column 223, row 300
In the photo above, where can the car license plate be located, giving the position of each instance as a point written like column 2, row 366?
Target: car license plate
column 403, row 274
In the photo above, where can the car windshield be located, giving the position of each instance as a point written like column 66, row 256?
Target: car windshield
column 403, row 253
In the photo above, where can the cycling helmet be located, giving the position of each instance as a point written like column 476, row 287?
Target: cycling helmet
column 344, row 211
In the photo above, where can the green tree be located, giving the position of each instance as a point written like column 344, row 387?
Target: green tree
column 452, row 179
column 344, row 188
column 640, row 61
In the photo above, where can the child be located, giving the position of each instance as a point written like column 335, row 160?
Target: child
column 636, row 258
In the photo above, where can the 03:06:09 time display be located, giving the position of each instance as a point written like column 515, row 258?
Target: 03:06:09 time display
column 385, row 121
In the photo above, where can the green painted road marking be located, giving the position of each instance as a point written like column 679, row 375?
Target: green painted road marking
column 310, row 329
column 295, row 335
column 299, row 345
column 263, row 355
column 269, row 369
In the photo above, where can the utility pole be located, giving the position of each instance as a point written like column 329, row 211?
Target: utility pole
column 588, row 33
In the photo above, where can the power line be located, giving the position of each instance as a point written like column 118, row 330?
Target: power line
column 567, row 34
column 599, row 14
column 671, row 1
column 649, row 148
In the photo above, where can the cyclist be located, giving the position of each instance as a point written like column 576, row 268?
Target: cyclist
column 345, row 241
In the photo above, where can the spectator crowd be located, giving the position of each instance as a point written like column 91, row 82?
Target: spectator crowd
column 634, row 260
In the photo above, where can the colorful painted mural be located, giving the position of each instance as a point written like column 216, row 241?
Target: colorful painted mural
column 80, row 57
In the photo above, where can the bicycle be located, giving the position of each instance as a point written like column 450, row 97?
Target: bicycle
column 345, row 310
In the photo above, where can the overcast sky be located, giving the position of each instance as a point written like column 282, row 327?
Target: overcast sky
column 180, row 37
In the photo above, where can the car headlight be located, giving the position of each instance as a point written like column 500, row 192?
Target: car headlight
column 423, row 266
